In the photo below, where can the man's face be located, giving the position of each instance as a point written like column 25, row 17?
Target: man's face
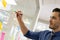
column 54, row 21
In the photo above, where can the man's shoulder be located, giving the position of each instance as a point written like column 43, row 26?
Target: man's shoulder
column 46, row 32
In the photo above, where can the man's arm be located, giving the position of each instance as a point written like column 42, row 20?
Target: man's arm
column 25, row 31
column 21, row 23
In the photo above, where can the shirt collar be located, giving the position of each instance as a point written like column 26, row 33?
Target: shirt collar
column 56, row 33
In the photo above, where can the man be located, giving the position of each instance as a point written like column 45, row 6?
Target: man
column 43, row 35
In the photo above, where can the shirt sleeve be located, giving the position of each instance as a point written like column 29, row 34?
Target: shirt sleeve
column 32, row 35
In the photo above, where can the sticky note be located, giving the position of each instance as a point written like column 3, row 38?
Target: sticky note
column 18, row 38
column 2, row 36
column 12, row 37
column 0, row 25
column 4, row 3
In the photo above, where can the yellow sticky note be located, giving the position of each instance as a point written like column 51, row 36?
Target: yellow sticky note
column 4, row 3
column 0, row 25
column 12, row 37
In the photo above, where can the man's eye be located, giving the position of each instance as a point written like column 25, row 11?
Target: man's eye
column 53, row 17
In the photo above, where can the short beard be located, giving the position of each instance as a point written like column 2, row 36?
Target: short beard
column 56, row 26
column 52, row 28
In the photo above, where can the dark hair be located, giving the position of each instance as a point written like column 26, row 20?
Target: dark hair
column 56, row 10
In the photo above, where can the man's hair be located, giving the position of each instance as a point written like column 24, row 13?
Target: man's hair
column 56, row 10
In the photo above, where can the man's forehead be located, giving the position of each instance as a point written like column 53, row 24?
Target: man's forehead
column 55, row 14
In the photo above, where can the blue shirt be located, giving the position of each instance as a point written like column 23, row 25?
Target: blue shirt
column 43, row 35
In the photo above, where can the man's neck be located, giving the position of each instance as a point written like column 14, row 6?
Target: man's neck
column 56, row 30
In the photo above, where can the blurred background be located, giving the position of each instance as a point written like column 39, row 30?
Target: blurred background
column 36, row 15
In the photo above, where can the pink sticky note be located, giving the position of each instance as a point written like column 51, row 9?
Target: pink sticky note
column 2, row 36
column 18, row 36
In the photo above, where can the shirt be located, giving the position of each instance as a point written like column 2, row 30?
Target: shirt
column 43, row 35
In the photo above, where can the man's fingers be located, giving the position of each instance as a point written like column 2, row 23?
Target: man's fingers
column 19, row 13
